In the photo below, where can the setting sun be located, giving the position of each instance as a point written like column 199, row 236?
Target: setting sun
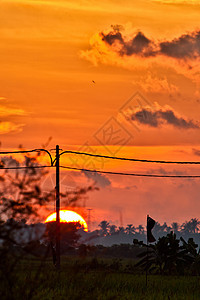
column 68, row 216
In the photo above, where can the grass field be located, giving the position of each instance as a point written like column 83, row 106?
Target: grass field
column 94, row 279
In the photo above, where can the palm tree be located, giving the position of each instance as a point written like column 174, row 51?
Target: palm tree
column 191, row 226
column 165, row 228
column 175, row 227
column 112, row 229
column 130, row 229
column 140, row 229
column 104, row 225
column 157, row 229
column 121, row 229
column 194, row 223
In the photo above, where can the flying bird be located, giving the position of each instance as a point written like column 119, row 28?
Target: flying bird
column 93, row 81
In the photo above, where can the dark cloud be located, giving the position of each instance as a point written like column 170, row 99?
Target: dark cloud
column 101, row 180
column 186, row 46
column 166, row 172
column 158, row 116
column 196, row 151
column 183, row 47
column 112, row 37
column 139, row 44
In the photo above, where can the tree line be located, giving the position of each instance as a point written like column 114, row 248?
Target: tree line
column 188, row 229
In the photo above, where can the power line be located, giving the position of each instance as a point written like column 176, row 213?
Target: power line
column 102, row 156
column 28, row 151
column 25, row 167
column 132, row 159
column 101, row 171
column 131, row 174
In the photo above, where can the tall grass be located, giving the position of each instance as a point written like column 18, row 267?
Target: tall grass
column 96, row 279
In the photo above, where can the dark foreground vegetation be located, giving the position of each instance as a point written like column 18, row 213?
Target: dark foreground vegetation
column 94, row 279
column 98, row 272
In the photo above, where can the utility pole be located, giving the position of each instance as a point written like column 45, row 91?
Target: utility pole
column 57, row 209
column 89, row 218
column 147, row 254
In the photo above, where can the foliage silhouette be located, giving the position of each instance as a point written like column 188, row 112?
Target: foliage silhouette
column 167, row 256
column 68, row 234
column 104, row 226
column 21, row 198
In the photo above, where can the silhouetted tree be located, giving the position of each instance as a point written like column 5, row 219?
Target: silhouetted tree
column 140, row 229
column 191, row 226
column 166, row 256
column 21, row 199
column 165, row 228
column 104, row 227
column 121, row 230
column 175, row 227
column 191, row 248
column 112, row 229
column 68, row 234
column 157, row 229
column 77, row 196
column 130, row 229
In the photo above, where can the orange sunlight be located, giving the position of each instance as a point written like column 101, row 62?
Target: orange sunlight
column 68, row 216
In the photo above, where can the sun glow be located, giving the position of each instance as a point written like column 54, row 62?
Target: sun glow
column 67, row 216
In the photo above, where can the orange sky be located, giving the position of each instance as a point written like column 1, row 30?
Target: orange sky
column 50, row 54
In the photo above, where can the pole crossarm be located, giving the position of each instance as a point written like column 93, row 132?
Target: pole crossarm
column 28, row 151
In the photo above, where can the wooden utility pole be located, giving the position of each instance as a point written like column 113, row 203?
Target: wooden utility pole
column 147, row 254
column 57, row 209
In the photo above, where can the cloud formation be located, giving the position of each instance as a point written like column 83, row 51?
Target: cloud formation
column 157, row 116
column 183, row 47
column 8, row 114
column 138, row 45
column 151, row 83
column 6, row 127
column 196, row 151
column 123, row 48
column 101, row 180
column 163, row 171
column 8, row 111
